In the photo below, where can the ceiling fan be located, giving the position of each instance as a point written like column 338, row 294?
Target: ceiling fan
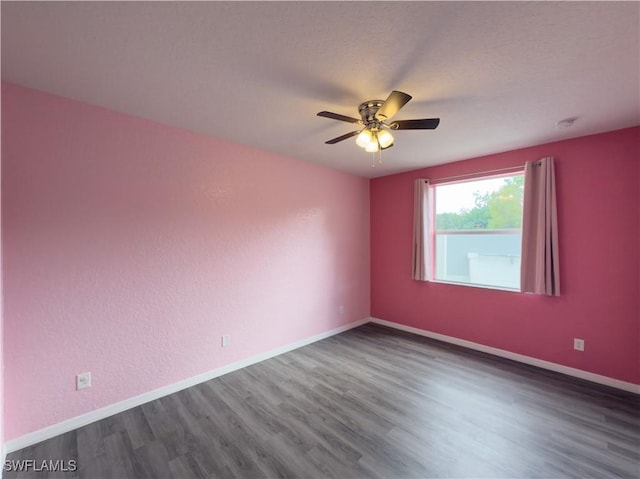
column 375, row 114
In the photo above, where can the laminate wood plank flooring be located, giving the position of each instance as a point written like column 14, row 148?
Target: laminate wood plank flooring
column 371, row 402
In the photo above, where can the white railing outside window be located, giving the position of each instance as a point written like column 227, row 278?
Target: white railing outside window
column 479, row 257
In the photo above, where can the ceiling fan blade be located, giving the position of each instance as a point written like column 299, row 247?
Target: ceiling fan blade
column 423, row 124
column 337, row 116
column 392, row 105
column 343, row 137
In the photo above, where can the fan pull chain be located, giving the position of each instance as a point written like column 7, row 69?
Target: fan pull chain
column 373, row 158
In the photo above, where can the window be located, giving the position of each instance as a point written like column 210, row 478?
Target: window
column 478, row 231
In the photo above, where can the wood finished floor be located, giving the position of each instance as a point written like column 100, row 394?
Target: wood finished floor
column 371, row 402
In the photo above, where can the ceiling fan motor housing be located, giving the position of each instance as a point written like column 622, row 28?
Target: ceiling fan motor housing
column 368, row 110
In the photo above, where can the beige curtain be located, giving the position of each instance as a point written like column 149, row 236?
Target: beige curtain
column 539, row 272
column 421, row 231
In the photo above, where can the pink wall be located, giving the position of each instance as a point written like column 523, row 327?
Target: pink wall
column 1, row 315
column 131, row 247
column 599, row 213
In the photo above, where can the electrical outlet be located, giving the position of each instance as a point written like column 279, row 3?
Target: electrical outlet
column 83, row 381
column 578, row 344
column 341, row 310
column 226, row 340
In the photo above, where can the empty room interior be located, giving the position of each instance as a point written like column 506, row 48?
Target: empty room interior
column 320, row 240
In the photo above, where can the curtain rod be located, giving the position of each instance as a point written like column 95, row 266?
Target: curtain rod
column 537, row 163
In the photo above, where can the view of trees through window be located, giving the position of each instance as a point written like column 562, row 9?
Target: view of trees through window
column 497, row 209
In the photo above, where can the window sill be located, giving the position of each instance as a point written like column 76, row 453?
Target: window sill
column 473, row 285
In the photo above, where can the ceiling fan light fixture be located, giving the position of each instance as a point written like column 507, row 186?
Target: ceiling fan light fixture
column 365, row 138
column 385, row 139
column 373, row 146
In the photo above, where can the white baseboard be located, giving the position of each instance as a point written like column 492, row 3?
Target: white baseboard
column 93, row 416
column 578, row 373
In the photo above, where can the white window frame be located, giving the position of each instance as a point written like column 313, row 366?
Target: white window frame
column 437, row 233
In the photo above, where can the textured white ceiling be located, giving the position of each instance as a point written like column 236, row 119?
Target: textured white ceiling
column 498, row 74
